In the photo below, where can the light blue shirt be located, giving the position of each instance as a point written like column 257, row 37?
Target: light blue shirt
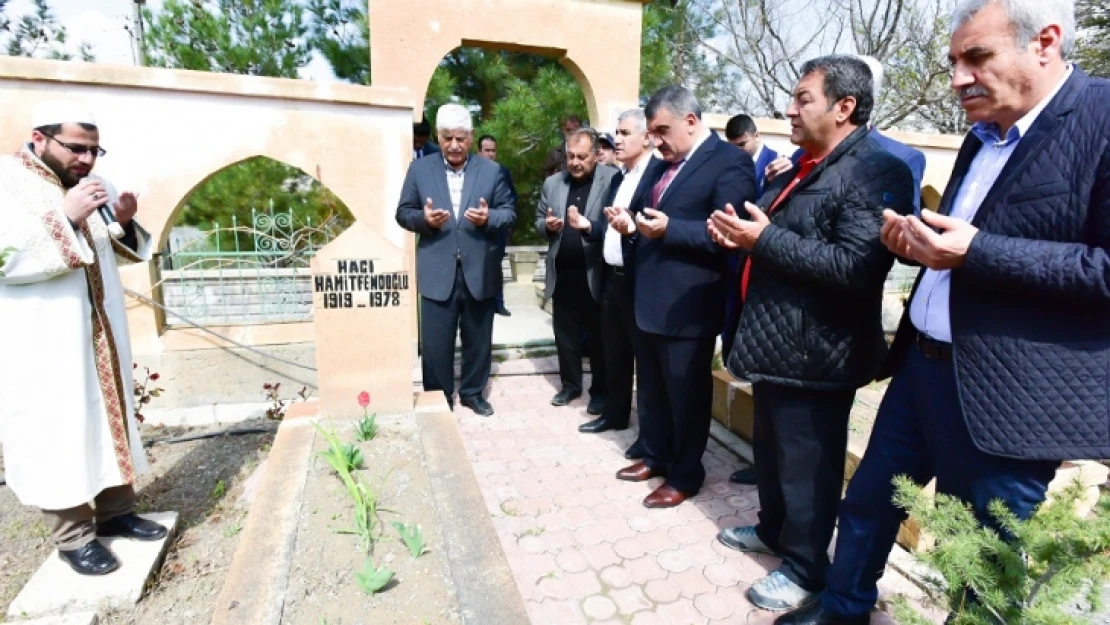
column 929, row 308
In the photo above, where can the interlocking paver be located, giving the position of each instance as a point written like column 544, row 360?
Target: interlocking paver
column 662, row 590
column 675, row 561
column 616, row 577
column 691, row 583
column 599, row 607
column 572, row 561
column 630, row 600
column 682, row 612
column 580, row 543
column 712, row 606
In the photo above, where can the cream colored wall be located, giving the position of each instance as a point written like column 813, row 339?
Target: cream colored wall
column 598, row 41
column 166, row 131
column 940, row 150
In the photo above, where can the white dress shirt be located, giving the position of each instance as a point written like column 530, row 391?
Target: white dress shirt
column 929, row 309
column 611, row 248
column 455, row 181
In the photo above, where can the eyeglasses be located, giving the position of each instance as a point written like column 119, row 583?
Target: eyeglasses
column 78, row 149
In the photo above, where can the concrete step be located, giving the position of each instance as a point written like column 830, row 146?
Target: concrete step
column 56, row 590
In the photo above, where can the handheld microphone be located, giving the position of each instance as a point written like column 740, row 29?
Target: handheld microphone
column 114, row 228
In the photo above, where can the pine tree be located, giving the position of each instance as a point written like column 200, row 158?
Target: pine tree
column 1033, row 577
column 38, row 35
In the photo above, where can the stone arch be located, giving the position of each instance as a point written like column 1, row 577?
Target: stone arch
column 930, row 197
column 591, row 39
column 183, row 197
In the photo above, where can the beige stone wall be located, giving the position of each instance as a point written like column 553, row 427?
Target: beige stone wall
column 598, row 41
column 940, row 150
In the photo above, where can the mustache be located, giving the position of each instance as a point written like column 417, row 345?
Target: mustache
column 972, row 91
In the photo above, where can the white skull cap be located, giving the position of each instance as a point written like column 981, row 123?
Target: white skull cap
column 61, row 112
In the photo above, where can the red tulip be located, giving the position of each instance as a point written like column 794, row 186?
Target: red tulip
column 364, row 399
column 154, row 377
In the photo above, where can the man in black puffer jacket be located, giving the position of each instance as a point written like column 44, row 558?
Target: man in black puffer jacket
column 810, row 332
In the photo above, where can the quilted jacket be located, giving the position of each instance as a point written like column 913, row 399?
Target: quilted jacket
column 813, row 315
column 1030, row 308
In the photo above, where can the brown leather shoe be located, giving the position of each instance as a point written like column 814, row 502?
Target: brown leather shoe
column 638, row 472
column 664, row 497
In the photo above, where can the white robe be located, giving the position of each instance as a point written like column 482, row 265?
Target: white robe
column 56, row 403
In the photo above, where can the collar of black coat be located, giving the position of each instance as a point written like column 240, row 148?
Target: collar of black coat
column 844, row 147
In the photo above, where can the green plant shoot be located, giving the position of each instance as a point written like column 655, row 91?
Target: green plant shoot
column 372, row 579
column 412, row 536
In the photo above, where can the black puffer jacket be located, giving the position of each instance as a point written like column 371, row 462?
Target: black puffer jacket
column 813, row 315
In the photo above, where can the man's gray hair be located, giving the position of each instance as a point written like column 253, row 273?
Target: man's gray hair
column 680, row 101
column 636, row 115
column 454, row 117
column 1027, row 17
column 845, row 76
column 585, row 131
column 876, row 67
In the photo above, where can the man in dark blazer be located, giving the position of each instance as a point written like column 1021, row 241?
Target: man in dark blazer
column 741, row 131
column 569, row 202
column 1000, row 363
column 679, row 289
column 421, row 140
column 458, row 204
column 811, row 329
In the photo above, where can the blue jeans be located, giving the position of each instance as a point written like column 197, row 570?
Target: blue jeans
column 920, row 432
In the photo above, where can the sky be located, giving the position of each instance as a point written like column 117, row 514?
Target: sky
column 101, row 23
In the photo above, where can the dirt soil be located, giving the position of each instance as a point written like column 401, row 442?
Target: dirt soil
column 322, row 587
column 202, row 481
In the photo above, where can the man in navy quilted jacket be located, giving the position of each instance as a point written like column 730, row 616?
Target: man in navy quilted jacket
column 1001, row 366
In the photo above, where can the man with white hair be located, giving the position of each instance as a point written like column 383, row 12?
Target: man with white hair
column 67, row 418
column 458, row 205
column 1000, row 363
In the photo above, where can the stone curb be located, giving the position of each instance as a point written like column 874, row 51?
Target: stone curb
column 483, row 580
column 254, row 589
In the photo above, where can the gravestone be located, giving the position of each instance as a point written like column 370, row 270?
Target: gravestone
column 363, row 313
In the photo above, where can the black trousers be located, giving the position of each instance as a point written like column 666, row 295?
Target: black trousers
column 675, row 396
column 618, row 336
column 440, row 321
column 574, row 311
column 800, row 439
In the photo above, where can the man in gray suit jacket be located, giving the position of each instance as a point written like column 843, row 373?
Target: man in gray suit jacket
column 458, row 204
column 570, row 201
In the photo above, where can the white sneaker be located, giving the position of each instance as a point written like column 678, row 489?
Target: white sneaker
column 742, row 538
column 776, row 593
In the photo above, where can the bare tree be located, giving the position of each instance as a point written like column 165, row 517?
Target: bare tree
column 765, row 42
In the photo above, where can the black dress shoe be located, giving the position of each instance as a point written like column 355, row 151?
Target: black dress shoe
column 480, row 406
column 599, row 425
column 504, row 312
column 636, row 451
column 564, row 397
column 596, row 406
column 131, row 526
column 815, row 614
column 91, row 559
column 743, row 476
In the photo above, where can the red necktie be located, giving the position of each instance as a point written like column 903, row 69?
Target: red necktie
column 806, row 165
column 664, row 182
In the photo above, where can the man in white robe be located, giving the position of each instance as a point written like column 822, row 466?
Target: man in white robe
column 66, row 391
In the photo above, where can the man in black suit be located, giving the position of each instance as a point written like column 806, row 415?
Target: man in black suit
column 633, row 147
column 487, row 147
column 1000, row 363
column 679, row 289
column 810, row 330
column 570, row 201
column 421, row 142
column 458, row 204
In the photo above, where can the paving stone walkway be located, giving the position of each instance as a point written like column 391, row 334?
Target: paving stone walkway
column 580, row 543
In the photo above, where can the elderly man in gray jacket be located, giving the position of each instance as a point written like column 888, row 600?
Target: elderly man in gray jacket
column 571, row 203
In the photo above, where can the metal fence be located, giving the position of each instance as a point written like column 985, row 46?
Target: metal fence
column 244, row 274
